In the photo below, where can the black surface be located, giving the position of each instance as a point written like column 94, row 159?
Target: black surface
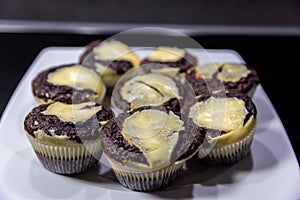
column 275, row 58
column 230, row 12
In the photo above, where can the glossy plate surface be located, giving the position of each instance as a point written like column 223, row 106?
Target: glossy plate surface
column 271, row 170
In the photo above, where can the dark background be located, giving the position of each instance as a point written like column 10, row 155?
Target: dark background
column 198, row 12
column 265, row 33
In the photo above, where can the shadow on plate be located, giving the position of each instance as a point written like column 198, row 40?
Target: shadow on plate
column 195, row 173
column 196, row 177
column 100, row 175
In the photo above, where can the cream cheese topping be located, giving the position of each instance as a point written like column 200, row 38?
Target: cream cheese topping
column 104, row 70
column 233, row 72
column 149, row 89
column 225, row 114
column 235, row 135
column 166, row 54
column 115, row 50
column 208, row 70
column 78, row 77
column 155, row 133
column 168, row 71
column 72, row 112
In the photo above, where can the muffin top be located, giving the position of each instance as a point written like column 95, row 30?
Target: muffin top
column 172, row 57
column 202, row 85
column 70, row 83
column 60, row 122
column 109, row 57
column 227, row 118
column 223, row 76
column 237, row 77
column 148, row 138
column 143, row 89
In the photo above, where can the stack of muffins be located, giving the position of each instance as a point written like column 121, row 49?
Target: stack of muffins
column 165, row 109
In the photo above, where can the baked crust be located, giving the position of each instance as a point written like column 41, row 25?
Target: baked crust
column 78, row 131
column 49, row 92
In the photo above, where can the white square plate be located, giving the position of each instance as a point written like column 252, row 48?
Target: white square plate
column 271, row 171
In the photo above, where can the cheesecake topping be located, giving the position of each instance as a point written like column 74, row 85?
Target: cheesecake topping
column 225, row 114
column 78, row 77
column 166, row 54
column 232, row 72
column 149, row 89
column 72, row 112
column 115, row 50
column 155, row 133
column 208, row 70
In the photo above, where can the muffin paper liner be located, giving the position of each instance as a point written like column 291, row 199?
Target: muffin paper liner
column 67, row 158
column 60, row 166
column 148, row 181
column 231, row 153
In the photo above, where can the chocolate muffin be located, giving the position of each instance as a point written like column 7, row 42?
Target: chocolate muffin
column 110, row 58
column 148, row 146
column 141, row 88
column 238, row 77
column 70, row 83
column 224, row 77
column 204, row 84
column 65, row 137
column 176, row 58
column 228, row 121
